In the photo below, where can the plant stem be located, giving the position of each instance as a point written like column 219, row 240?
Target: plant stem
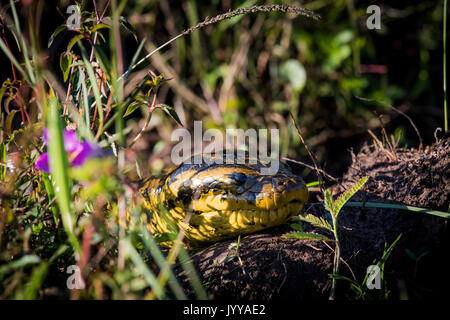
column 337, row 257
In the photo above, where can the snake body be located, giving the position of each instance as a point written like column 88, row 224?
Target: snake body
column 213, row 202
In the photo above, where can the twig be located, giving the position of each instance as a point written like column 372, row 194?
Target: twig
column 384, row 104
column 310, row 167
column 319, row 175
column 380, row 144
column 343, row 261
column 150, row 112
column 412, row 124
column 284, row 278
column 383, row 130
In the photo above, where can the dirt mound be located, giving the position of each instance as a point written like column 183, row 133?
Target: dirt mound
column 271, row 267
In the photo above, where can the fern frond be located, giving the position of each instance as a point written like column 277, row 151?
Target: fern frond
column 317, row 222
column 328, row 201
column 342, row 200
column 306, row 236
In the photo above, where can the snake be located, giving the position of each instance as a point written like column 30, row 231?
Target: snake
column 213, row 200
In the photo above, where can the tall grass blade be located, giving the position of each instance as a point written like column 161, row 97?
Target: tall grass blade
column 194, row 280
column 22, row 43
column 162, row 263
column 95, row 89
column 13, row 59
column 59, row 170
column 441, row 214
column 143, row 269
column 22, row 262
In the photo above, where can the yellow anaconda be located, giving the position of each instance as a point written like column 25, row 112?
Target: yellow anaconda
column 212, row 202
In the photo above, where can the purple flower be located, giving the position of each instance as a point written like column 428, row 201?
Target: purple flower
column 77, row 152
column 42, row 163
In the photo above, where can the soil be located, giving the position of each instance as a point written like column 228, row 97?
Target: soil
column 269, row 266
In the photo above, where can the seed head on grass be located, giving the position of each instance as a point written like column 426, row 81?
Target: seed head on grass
column 228, row 15
column 264, row 8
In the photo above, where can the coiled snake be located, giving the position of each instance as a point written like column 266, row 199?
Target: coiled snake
column 213, row 202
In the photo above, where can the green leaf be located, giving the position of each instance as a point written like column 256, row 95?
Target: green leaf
column 293, row 71
column 100, row 26
column 171, row 112
column 58, row 252
column 306, row 236
column 328, row 201
column 102, row 37
column 103, row 61
column 422, row 255
column 3, row 160
column 345, row 36
column 340, row 202
column 132, row 107
column 339, row 277
column 297, row 226
column 57, row 31
column 37, row 278
column 22, row 262
column 2, row 92
column 386, row 254
column 8, row 122
column 411, row 254
column 316, row 221
column 313, row 184
column 65, row 62
column 128, row 26
column 73, row 41
column 165, row 237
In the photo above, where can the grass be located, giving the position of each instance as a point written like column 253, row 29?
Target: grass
column 441, row 214
column 78, row 215
column 81, row 215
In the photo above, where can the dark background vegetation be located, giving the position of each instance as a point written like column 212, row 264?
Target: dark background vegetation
column 242, row 72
